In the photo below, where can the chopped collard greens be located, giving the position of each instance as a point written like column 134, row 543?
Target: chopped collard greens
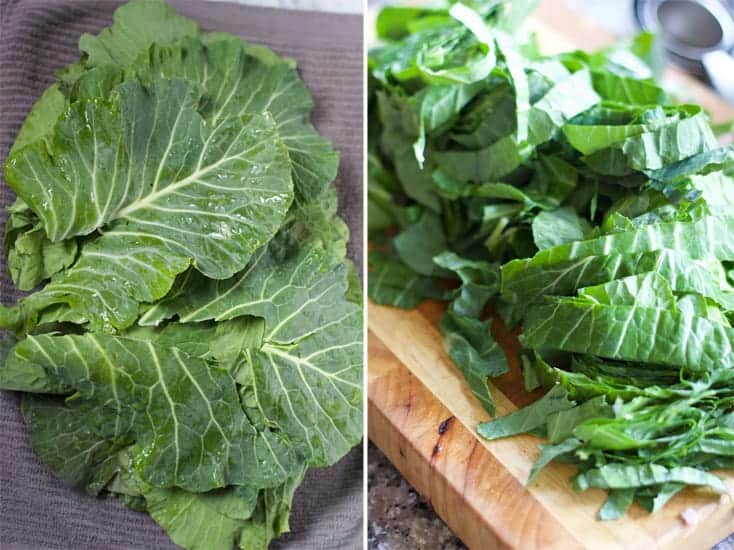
column 592, row 211
column 196, row 341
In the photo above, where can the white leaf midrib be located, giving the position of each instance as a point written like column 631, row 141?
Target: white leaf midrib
column 150, row 199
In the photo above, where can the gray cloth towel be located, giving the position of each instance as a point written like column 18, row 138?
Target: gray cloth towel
column 38, row 37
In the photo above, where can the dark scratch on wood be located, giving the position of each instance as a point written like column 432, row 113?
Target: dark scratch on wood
column 468, row 466
column 445, row 425
column 409, row 403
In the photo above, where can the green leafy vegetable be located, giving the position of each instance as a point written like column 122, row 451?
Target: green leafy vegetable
column 196, row 343
column 579, row 201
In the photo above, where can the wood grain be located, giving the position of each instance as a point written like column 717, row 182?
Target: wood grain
column 423, row 416
column 413, row 387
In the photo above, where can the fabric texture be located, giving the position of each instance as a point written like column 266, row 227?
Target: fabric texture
column 38, row 37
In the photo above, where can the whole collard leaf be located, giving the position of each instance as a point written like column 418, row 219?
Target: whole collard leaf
column 172, row 196
column 183, row 414
column 235, row 82
column 312, row 344
column 32, row 256
column 153, row 151
column 171, row 46
column 135, row 26
column 224, row 518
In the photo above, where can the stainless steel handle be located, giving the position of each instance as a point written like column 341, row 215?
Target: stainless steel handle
column 719, row 67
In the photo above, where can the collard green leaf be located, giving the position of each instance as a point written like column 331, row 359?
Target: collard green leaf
column 321, row 367
column 135, row 26
column 649, row 141
column 153, row 146
column 32, row 256
column 647, row 290
column 66, row 437
column 270, row 517
column 41, row 119
column 237, row 83
column 514, row 65
column 489, row 164
column 395, row 22
column 558, row 226
column 653, row 503
column 436, row 67
column 706, row 238
column 183, row 414
column 312, row 344
column 625, row 89
column 419, row 243
column 393, row 283
column 528, row 280
column 701, row 163
column 194, row 520
column 617, row 504
column 529, row 418
column 489, row 117
column 669, row 144
column 223, row 518
column 471, row 345
column 437, row 107
column 561, row 424
column 479, row 282
column 175, row 199
column 566, row 99
column 548, row 453
column 630, row 333
column 615, row 476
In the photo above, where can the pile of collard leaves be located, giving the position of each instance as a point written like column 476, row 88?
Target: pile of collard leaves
column 196, row 342
column 592, row 212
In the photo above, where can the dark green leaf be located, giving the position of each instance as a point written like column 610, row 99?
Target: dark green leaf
column 527, row 419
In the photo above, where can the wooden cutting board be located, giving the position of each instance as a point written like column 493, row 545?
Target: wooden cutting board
column 423, row 417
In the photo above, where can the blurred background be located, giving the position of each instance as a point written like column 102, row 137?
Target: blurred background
column 697, row 35
column 334, row 6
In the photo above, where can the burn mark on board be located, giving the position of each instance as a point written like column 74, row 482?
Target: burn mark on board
column 443, row 427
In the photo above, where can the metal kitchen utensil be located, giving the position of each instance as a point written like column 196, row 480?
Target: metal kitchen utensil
column 698, row 35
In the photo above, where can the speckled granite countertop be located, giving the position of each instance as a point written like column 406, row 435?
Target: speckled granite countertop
column 400, row 519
